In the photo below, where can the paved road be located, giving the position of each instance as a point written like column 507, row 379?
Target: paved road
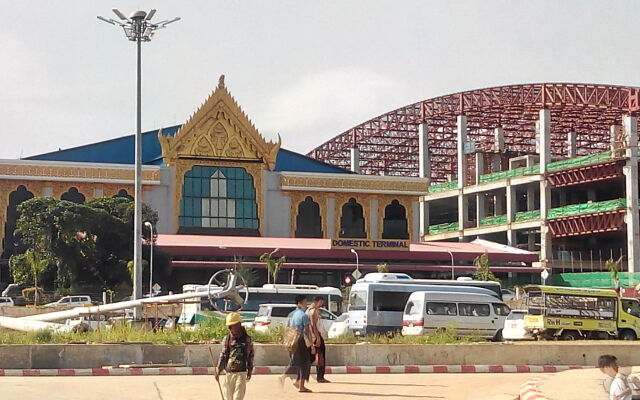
column 354, row 387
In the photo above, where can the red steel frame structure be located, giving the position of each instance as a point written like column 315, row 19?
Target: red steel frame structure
column 389, row 143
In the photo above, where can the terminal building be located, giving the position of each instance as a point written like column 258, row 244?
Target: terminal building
column 541, row 175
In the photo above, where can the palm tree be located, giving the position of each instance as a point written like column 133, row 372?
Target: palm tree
column 273, row 265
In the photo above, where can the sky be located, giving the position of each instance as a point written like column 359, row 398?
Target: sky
column 307, row 70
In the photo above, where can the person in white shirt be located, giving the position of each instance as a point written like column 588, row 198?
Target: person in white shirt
column 619, row 388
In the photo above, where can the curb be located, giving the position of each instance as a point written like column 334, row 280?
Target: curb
column 277, row 370
column 529, row 391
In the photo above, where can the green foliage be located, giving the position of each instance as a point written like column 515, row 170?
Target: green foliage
column 273, row 264
column 482, row 272
column 81, row 244
column 250, row 275
column 383, row 268
column 613, row 267
column 441, row 336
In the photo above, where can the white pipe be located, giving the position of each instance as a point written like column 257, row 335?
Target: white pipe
column 20, row 324
column 80, row 311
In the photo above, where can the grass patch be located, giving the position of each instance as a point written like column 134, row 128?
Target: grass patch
column 442, row 336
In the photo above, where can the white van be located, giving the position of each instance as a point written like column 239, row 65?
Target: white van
column 469, row 313
column 71, row 301
column 377, row 307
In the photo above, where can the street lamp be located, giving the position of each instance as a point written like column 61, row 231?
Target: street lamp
column 357, row 259
column 270, row 254
column 150, row 226
column 138, row 28
column 453, row 273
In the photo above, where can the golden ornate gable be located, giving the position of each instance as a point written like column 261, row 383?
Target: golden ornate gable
column 219, row 130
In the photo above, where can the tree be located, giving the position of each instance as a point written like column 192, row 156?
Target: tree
column 273, row 265
column 250, row 275
column 383, row 268
column 483, row 272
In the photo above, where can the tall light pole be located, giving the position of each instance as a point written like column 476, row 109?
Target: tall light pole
column 150, row 226
column 357, row 260
column 138, row 28
column 453, row 273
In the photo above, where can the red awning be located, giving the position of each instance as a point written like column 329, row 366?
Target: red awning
column 227, row 246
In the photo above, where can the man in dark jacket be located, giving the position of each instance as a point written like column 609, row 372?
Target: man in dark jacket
column 236, row 358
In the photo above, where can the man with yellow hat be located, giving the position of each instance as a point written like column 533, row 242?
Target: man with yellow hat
column 236, row 358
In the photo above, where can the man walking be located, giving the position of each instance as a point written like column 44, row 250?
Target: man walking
column 236, row 358
column 300, row 362
column 318, row 341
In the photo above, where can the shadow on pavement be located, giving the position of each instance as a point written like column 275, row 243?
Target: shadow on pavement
column 375, row 395
column 384, row 384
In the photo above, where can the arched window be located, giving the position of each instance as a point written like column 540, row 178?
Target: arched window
column 11, row 242
column 309, row 221
column 395, row 221
column 352, row 220
column 218, row 198
column 73, row 196
column 123, row 193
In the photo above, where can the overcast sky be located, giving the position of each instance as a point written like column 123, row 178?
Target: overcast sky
column 306, row 69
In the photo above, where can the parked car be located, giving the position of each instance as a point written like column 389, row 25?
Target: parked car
column 72, row 301
column 514, row 326
column 339, row 327
column 469, row 313
column 274, row 315
column 6, row 301
column 14, row 290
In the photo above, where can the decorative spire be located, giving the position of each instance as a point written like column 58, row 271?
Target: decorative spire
column 221, row 81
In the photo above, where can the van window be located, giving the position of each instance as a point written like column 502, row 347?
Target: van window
column 65, row 300
column 631, row 307
column 358, row 300
column 281, row 312
column 501, row 309
column 474, row 310
column 263, row 312
column 390, row 301
column 437, row 308
column 413, row 307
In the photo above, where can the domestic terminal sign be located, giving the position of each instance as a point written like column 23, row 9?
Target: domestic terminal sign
column 370, row 244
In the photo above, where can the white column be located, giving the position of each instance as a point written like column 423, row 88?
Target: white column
column 631, row 180
column 331, row 218
column 498, row 140
column 424, row 218
column 355, row 160
column 481, row 207
column 511, row 237
column 462, row 159
column 374, row 230
column 463, row 212
column 545, row 234
column 511, row 203
column 414, row 227
column 479, row 166
column 423, row 149
column 572, row 146
column 544, row 139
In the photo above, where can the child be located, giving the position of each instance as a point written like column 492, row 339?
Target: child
column 236, row 358
column 619, row 389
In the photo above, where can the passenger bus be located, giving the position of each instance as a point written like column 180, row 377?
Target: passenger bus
column 571, row 313
column 267, row 294
column 377, row 302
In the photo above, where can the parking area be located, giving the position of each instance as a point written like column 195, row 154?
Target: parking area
column 407, row 386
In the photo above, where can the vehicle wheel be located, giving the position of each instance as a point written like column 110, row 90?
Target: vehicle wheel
column 569, row 335
column 498, row 337
column 628, row 334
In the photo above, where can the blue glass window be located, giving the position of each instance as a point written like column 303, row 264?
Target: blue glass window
column 218, row 197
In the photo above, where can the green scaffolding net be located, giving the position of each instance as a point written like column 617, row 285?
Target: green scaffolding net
column 511, row 173
column 442, row 228
column 440, row 187
column 587, row 208
column 579, row 161
column 493, row 220
column 593, row 279
column 527, row 215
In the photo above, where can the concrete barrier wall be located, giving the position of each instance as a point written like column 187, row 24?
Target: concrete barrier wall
column 538, row 353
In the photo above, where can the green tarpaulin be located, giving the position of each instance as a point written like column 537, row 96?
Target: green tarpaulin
column 443, row 186
column 442, row 228
column 593, row 279
column 587, row 208
column 493, row 220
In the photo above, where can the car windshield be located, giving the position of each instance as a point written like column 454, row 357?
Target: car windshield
column 515, row 315
column 342, row 318
column 263, row 312
column 358, row 300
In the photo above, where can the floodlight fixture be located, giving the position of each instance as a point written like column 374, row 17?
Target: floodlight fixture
column 119, row 14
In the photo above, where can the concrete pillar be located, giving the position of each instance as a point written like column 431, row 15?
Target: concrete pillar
column 500, row 208
column 511, row 203
column 511, row 237
column 355, row 160
column 572, row 146
column 424, row 159
column 544, row 139
column 615, row 136
column 498, row 140
column 481, row 207
column 531, row 198
column 463, row 212
column 424, row 219
column 414, row 227
column 462, row 159
column 331, row 218
column 630, row 125
column 479, row 166
column 546, row 254
column 374, row 230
